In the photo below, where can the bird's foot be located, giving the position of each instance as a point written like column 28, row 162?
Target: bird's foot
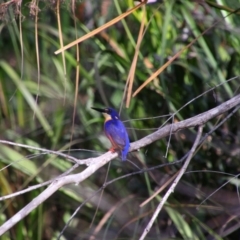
column 112, row 150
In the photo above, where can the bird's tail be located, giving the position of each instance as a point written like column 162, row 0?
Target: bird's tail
column 124, row 155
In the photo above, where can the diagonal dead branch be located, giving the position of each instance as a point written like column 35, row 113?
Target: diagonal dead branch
column 171, row 189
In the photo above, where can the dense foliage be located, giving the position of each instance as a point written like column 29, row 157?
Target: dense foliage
column 39, row 89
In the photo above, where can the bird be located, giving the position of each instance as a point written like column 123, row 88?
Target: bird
column 115, row 131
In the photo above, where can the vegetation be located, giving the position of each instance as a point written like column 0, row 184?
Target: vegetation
column 45, row 101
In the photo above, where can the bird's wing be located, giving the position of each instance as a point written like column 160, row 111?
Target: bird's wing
column 116, row 132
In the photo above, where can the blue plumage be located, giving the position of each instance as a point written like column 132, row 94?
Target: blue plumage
column 115, row 131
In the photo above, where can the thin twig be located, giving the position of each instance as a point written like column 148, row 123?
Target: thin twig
column 29, row 189
column 73, row 159
column 159, row 190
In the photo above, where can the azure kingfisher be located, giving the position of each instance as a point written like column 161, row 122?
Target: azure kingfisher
column 115, row 131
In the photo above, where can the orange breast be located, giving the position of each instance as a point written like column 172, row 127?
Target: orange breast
column 115, row 145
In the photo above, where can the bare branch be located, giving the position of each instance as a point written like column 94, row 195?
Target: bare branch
column 171, row 189
column 29, row 189
column 190, row 122
column 74, row 178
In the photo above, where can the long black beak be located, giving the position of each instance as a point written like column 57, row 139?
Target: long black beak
column 99, row 109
